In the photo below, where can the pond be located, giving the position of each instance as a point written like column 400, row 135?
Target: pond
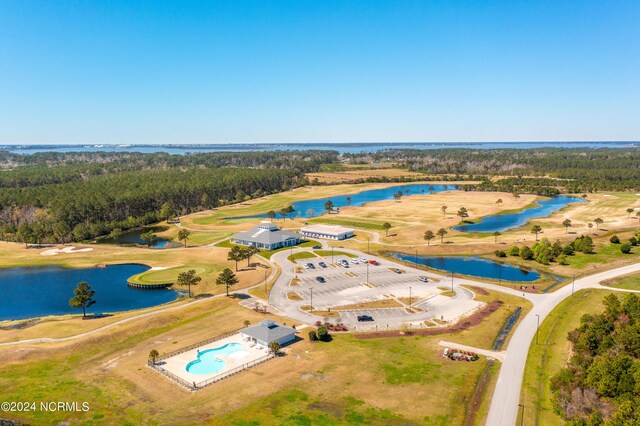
column 133, row 237
column 504, row 222
column 45, row 290
column 310, row 208
column 472, row 266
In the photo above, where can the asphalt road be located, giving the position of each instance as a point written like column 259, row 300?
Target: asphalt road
column 506, row 396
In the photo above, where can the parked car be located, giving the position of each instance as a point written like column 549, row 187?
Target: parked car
column 320, row 279
column 317, row 247
column 355, row 261
column 363, row 318
column 363, row 260
column 424, row 279
column 322, row 264
column 312, row 266
column 306, row 266
column 374, row 262
column 397, row 271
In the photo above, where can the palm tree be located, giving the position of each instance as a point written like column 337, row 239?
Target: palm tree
column 271, row 214
column 629, row 211
column 536, row 229
column 227, row 278
column 441, row 233
column 566, row 223
column 429, row 235
column 496, row 235
column 188, row 279
column 290, row 211
column 499, row 201
column 397, row 196
column 328, row 206
column 590, row 225
column 274, row 347
column 183, row 235
column 516, row 195
column 246, row 323
column 153, row 355
column 598, row 222
column 348, row 199
column 284, row 212
column 386, row 226
column 444, row 211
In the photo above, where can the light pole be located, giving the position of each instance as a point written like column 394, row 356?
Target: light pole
column 367, row 273
column 537, row 328
column 311, row 301
column 368, row 249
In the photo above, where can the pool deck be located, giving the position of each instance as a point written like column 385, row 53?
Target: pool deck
column 178, row 363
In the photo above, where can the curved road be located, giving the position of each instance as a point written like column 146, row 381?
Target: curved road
column 506, row 396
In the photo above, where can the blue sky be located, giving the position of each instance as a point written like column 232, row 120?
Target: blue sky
column 318, row 71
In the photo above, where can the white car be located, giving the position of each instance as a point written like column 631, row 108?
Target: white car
column 355, row 261
column 363, row 260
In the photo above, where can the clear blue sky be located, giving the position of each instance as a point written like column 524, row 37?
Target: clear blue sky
column 304, row 71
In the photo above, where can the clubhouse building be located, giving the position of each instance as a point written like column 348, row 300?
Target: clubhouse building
column 327, row 232
column 267, row 331
column 267, row 236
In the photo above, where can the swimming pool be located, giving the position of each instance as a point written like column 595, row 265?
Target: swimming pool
column 208, row 361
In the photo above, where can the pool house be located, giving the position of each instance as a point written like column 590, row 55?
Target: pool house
column 268, row 331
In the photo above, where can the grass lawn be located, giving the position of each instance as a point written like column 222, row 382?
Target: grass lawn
column 405, row 380
column 627, row 282
column 548, row 357
column 349, row 222
column 327, row 253
column 200, row 238
column 169, row 275
column 301, row 255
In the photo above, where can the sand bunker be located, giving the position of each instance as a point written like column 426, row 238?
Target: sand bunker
column 70, row 250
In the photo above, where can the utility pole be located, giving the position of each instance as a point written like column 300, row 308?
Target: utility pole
column 368, row 249
column 367, row 273
column 537, row 328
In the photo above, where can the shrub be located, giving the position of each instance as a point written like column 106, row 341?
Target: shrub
column 633, row 241
column 500, row 253
column 526, row 253
column 568, row 250
column 514, row 251
column 313, row 336
column 625, row 248
column 562, row 259
column 614, row 239
column 323, row 334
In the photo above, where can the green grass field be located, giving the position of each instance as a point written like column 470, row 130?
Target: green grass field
column 204, row 237
column 327, row 253
column 550, row 355
column 169, row 275
column 350, row 222
column 301, row 255
column 627, row 282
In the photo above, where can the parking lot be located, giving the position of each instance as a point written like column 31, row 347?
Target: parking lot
column 344, row 288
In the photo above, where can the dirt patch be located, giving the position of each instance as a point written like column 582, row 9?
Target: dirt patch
column 463, row 324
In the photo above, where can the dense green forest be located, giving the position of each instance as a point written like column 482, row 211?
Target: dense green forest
column 601, row 384
column 582, row 169
column 54, row 197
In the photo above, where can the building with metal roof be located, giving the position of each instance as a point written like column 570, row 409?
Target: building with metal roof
column 267, row 236
column 267, row 331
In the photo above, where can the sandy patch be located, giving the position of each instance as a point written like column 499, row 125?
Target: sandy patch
column 158, row 268
column 68, row 250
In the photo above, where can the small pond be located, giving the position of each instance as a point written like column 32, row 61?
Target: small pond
column 504, row 222
column 45, row 290
column 133, row 237
column 473, row 266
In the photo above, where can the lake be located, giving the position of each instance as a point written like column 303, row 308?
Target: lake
column 310, row 208
column 45, row 290
column 342, row 148
column 472, row 266
column 504, row 222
